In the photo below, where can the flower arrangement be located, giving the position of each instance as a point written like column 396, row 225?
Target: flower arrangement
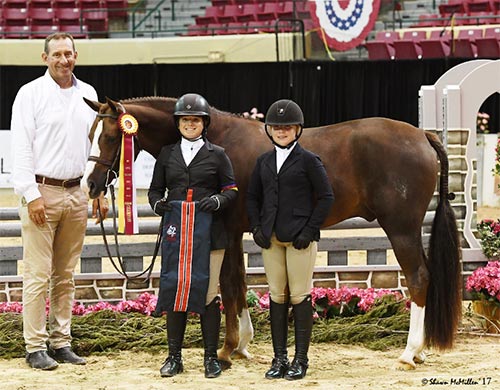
column 484, row 283
column 489, row 234
column 334, row 302
column 482, row 122
column 496, row 168
column 327, row 302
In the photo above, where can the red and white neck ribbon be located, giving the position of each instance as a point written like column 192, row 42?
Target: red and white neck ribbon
column 127, row 203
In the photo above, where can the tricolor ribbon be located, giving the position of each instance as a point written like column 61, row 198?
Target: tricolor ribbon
column 127, row 205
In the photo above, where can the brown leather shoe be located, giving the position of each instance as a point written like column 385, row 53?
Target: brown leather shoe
column 41, row 360
column 66, row 355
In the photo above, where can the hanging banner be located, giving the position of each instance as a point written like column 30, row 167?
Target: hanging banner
column 344, row 24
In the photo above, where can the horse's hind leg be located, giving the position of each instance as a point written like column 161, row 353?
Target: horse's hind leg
column 233, row 291
column 411, row 257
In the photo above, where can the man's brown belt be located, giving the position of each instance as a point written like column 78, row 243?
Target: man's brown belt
column 59, row 183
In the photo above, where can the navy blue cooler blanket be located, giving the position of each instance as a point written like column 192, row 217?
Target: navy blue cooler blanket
column 185, row 266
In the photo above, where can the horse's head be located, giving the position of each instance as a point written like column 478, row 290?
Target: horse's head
column 105, row 136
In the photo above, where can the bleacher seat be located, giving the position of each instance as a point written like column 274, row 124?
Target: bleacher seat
column 381, row 48
column 250, row 12
column 231, row 13
column 117, row 9
column 41, row 31
column 15, row 16
column 2, row 35
column 479, row 6
column 42, row 16
column 15, row 3
column 68, row 16
column 452, row 7
column 237, row 28
column 488, row 46
column 76, row 30
column 464, row 46
column 211, row 15
column 245, row 1
column 96, row 20
column 287, row 11
column 482, row 18
column 221, row 2
column 16, row 32
column 428, row 20
column 66, row 4
column 41, row 4
column 257, row 26
column 270, row 11
column 437, row 45
column 196, row 30
column 91, row 4
column 408, row 47
column 217, row 29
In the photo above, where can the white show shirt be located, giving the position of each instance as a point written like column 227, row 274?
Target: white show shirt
column 50, row 128
column 189, row 149
column 282, row 155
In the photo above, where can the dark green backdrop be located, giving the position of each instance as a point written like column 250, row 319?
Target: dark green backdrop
column 328, row 92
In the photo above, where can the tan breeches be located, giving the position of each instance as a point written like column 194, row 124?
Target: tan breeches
column 50, row 254
column 289, row 271
column 216, row 258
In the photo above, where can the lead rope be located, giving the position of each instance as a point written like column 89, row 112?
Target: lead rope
column 121, row 268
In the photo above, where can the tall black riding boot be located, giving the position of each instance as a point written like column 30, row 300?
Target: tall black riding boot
column 279, row 333
column 303, row 320
column 176, row 326
column 210, row 328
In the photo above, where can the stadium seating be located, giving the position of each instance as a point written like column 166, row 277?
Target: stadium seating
column 489, row 45
column 408, row 47
column 464, row 46
column 212, row 15
column 41, row 31
column 15, row 16
column 437, row 45
column 42, row 16
column 15, row 3
column 77, row 31
column 381, row 48
column 16, row 32
column 68, row 16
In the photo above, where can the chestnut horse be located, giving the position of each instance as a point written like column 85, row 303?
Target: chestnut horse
column 379, row 169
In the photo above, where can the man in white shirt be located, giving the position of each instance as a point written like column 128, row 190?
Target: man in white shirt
column 50, row 146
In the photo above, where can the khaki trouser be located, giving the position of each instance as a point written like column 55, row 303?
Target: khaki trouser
column 289, row 271
column 50, row 254
column 216, row 258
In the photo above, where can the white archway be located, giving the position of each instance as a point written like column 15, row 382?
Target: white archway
column 453, row 103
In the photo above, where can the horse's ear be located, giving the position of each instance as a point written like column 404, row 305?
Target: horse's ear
column 93, row 105
column 114, row 105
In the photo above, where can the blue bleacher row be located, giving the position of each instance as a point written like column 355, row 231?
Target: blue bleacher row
column 480, row 42
column 37, row 18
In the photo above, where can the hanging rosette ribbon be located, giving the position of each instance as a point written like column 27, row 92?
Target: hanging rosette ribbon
column 127, row 205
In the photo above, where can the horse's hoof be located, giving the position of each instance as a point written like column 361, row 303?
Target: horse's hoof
column 405, row 366
column 225, row 364
column 241, row 354
column 419, row 358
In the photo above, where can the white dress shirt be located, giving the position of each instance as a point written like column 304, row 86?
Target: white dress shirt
column 282, row 155
column 189, row 149
column 50, row 128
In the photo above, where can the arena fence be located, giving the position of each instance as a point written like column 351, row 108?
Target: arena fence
column 94, row 284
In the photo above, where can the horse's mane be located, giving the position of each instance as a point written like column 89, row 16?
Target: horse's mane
column 158, row 100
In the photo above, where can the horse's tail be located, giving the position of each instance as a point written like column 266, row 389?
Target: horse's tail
column 444, row 300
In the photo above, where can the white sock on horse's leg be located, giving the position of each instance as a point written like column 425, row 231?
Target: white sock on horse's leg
column 416, row 336
column 246, row 333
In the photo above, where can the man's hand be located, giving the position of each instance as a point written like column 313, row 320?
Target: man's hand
column 260, row 239
column 162, row 207
column 103, row 209
column 36, row 211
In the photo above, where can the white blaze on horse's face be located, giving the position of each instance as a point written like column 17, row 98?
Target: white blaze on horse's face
column 94, row 151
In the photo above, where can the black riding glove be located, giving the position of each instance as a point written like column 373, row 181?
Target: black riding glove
column 209, row 204
column 260, row 239
column 305, row 237
column 161, row 207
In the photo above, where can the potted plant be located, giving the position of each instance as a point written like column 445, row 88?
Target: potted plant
column 484, row 283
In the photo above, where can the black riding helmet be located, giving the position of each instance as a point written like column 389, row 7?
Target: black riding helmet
column 192, row 104
column 284, row 112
